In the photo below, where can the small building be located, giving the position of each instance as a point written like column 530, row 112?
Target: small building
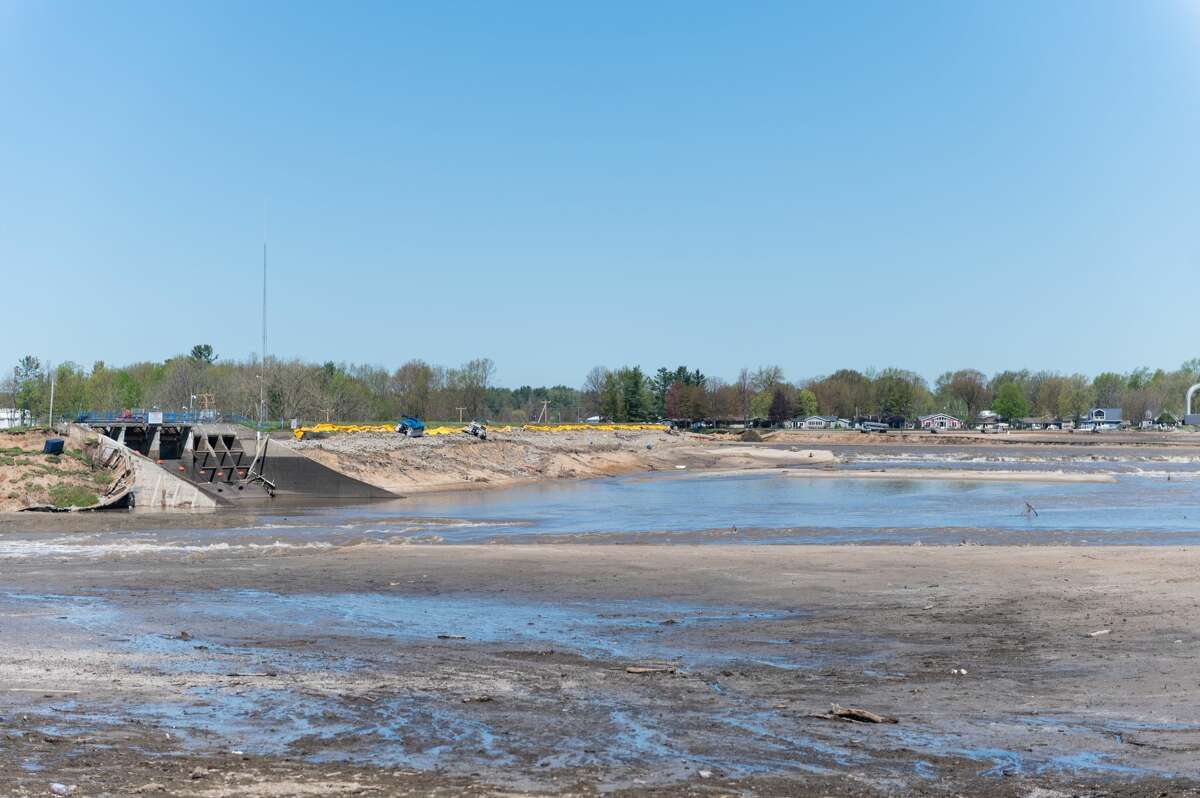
column 939, row 421
column 1040, row 422
column 11, row 417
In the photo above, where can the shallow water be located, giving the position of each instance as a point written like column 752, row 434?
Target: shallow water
column 1155, row 499
column 776, row 500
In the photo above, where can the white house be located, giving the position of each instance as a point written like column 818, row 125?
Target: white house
column 820, row 422
column 939, row 421
column 11, row 417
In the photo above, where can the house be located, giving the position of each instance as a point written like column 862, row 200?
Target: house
column 1099, row 418
column 818, row 422
column 1167, row 420
column 1040, row 422
column 939, row 421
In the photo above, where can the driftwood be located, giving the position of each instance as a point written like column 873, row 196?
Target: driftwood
column 853, row 715
column 650, row 669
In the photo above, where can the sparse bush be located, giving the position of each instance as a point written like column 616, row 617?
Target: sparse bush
column 72, row 496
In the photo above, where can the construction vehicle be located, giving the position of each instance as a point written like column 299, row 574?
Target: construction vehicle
column 411, row 427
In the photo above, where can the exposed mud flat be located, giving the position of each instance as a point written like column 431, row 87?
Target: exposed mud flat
column 502, row 669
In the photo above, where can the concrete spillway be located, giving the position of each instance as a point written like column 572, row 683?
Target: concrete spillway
column 228, row 464
column 231, row 464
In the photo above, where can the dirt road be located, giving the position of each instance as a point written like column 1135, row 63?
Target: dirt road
column 503, row 670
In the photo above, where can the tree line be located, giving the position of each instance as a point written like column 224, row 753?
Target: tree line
column 343, row 392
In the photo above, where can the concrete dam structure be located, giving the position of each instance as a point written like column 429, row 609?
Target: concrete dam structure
column 230, row 464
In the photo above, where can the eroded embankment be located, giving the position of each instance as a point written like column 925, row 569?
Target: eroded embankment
column 403, row 465
column 80, row 477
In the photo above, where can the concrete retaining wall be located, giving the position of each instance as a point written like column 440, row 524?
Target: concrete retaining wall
column 154, row 488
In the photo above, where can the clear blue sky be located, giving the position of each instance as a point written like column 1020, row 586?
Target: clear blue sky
column 554, row 185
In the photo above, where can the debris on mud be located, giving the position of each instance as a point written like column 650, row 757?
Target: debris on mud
column 854, row 715
column 651, row 669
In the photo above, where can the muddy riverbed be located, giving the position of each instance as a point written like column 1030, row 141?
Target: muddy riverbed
column 504, row 669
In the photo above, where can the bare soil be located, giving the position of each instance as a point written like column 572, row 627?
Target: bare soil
column 28, row 477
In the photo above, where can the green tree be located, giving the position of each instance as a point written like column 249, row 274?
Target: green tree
column 203, row 353
column 806, row 403
column 29, row 386
column 635, row 398
column 760, row 403
column 1010, row 402
column 612, row 399
column 845, row 393
column 662, row 381
column 1107, row 389
column 1075, row 397
column 128, row 390
column 895, row 396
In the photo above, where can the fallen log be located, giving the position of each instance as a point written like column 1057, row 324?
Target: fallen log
column 853, row 715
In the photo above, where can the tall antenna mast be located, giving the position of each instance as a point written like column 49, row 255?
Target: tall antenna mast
column 262, row 366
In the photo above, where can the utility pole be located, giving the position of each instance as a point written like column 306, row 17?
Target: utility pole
column 51, row 397
column 460, row 414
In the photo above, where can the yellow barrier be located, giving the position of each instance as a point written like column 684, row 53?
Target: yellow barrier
column 443, row 430
column 456, row 430
column 300, row 432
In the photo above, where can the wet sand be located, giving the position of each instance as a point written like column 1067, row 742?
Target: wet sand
column 502, row 669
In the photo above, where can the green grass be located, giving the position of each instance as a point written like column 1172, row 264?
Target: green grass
column 72, row 496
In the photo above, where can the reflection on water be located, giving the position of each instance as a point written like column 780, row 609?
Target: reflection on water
column 789, row 500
